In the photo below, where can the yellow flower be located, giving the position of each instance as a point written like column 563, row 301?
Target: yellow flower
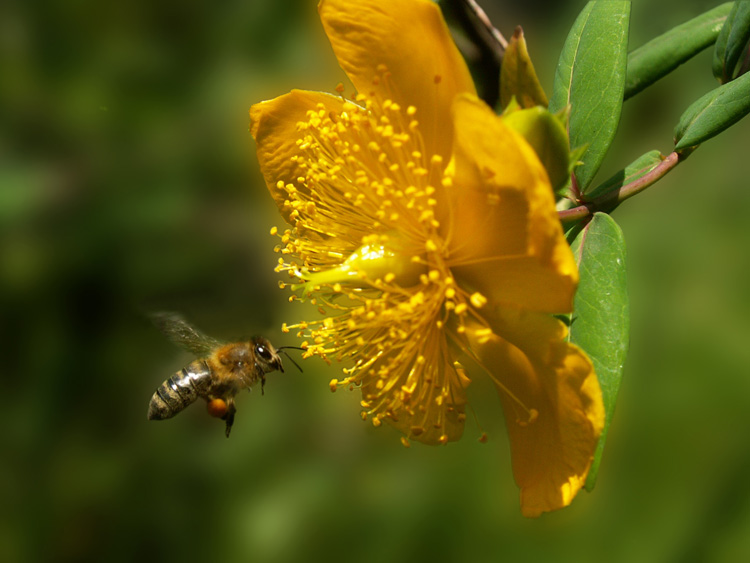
column 425, row 230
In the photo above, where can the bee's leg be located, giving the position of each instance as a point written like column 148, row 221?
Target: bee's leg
column 262, row 385
column 229, row 416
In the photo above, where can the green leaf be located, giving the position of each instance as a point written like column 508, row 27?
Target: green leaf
column 590, row 78
column 731, row 42
column 714, row 112
column 600, row 322
column 662, row 55
column 639, row 167
column 517, row 76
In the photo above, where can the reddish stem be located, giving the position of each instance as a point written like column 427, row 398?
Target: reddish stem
column 610, row 200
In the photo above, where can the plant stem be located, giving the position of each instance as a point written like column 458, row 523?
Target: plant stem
column 490, row 46
column 607, row 202
column 500, row 43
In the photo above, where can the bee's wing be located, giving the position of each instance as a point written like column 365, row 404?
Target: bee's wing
column 184, row 335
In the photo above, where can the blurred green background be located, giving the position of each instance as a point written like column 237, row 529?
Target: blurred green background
column 128, row 184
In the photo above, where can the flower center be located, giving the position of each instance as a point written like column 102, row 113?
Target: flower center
column 370, row 264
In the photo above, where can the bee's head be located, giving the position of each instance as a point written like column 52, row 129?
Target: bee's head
column 266, row 356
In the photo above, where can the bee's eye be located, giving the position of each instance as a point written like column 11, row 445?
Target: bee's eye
column 263, row 352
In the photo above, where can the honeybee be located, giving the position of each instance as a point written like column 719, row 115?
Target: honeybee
column 221, row 371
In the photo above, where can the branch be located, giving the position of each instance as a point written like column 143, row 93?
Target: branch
column 610, row 200
column 489, row 43
column 498, row 43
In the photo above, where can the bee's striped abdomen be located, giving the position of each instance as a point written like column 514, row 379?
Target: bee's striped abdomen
column 179, row 391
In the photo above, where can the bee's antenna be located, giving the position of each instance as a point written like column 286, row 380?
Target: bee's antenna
column 288, row 356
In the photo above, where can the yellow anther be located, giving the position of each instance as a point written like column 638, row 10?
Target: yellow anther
column 426, row 216
column 461, row 372
column 405, row 441
column 478, row 300
column 333, row 384
column 407, row 391
column 483, row 334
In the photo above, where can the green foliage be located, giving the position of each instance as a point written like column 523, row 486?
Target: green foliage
column 590, row 78
column 663, row 54
column 517, row 75
column 732, row 42
column 713, row 113
column 600, row 323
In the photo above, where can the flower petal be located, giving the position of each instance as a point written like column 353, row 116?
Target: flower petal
column 505, row 238
column 410, row 39
column 273, row 125
column 552, row 405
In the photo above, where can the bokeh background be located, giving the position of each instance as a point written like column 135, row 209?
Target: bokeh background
column 128, row 184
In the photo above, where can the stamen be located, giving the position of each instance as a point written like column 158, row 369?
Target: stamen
column 366, row 250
